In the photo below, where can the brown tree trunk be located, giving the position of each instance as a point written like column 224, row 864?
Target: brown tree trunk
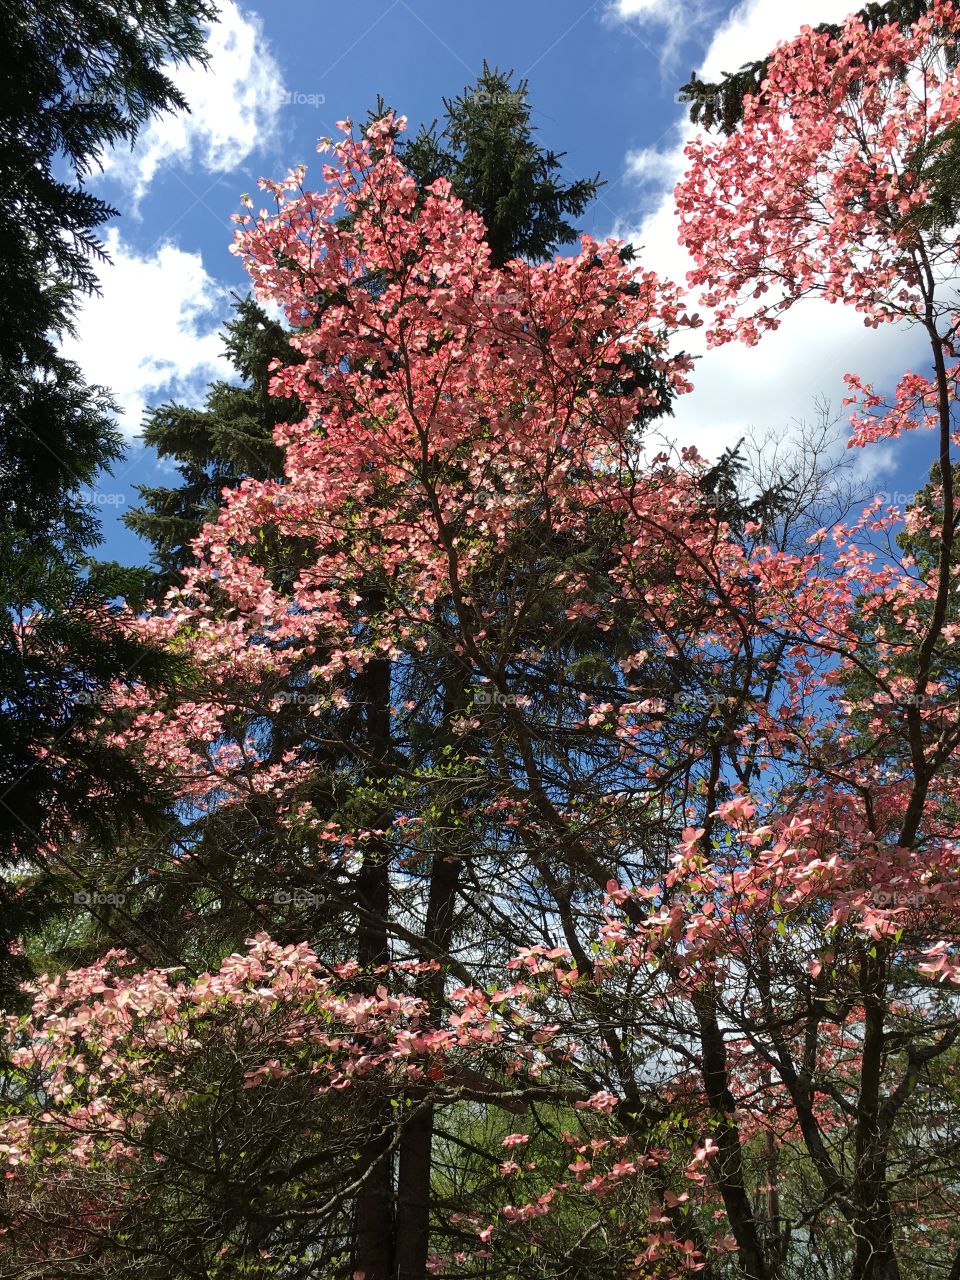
column 413, row 1197
column 373, row 1216
column 875, row 1257
column 728, row 1164
column 416, row 1145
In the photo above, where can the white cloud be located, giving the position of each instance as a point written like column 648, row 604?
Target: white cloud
column 153, row 333
column 749, row 32
column 645, row 10
column 754, row 27
column 234, row 104
column 678, row 20
column 647, row 164
column 773, row 386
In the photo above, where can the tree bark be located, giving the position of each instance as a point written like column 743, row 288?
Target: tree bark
column 373, row 1217
column 729, row 1162
column 416, row 1147
column 875, row 1257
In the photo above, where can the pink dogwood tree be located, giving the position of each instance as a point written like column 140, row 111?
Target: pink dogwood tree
column 641, row 846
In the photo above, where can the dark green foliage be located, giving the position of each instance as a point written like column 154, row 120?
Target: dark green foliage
column 89, row 75
column 487, row 150
column 722, row 487
column 217, row 446
column 939, row 162
column 79, row 76
column 58, row 772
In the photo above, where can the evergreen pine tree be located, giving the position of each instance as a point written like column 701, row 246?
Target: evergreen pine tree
column 80, row 76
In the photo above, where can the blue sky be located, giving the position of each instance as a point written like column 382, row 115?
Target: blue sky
column 603, row 81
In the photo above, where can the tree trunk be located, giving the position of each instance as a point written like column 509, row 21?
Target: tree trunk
column 413, row 1197
column 416, row 1146
column 728, row 1165
column 373, row 1216
column 875, row 1258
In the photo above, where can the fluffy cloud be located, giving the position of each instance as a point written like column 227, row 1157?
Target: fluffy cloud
column 153, row 333
column 750, row 30
column 793, row 373
column 678, row 19
column 650, row 165
column 646, row 10
column 755, row 26
column 234, row 105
